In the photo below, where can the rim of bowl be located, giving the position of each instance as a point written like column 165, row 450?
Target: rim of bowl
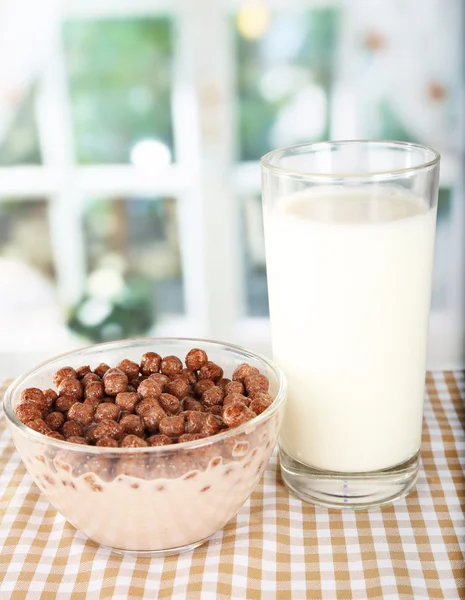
column 40, row 437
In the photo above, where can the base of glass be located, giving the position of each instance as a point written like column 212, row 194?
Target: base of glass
column 354, row 491
column 158, row 553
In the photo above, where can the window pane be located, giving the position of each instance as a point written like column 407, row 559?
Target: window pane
column 134, row 266
column 24, row 234
column 405, row 74
column 285, row 65
column 20, row 144
column 120, row 85
column 254, row 257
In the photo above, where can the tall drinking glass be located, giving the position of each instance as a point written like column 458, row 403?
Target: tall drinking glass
column 349, row 232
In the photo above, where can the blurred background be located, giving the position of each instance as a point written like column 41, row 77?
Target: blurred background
column 130, row 134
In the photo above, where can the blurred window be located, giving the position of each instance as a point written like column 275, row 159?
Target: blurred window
column 148, row 85
column 25, row 234
column 137, row 239
column 20, row 144
column 285, row 73
column 253, row 250
column 119, row 74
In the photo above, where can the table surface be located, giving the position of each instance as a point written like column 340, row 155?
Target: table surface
column 276, row 547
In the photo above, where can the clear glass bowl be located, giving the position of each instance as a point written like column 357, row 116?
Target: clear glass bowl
column 155, row 500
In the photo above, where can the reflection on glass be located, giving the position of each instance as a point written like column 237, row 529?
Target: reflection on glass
column 24, row 234
column 120, row 85
column 20, row 143
column 134, row 267
column 441, row 271
column 253, row 247
column 285, row 74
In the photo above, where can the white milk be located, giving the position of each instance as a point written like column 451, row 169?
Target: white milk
column 349, row 278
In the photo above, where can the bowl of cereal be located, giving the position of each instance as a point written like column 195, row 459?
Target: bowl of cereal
column 148, row 445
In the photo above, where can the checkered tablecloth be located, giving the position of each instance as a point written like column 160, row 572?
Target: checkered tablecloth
column 276, row 547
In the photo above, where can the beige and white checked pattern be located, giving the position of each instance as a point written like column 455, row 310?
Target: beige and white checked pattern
column 277, row 547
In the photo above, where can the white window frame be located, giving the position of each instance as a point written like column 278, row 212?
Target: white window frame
column 205, row 179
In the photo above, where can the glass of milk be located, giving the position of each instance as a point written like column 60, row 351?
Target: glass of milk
column 349, row 232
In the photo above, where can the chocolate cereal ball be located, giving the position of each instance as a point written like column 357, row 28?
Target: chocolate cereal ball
column 129, row 367
column 115, row 381
column 211, row 371
column 170, row 404
column 81, row 413
column 232, row 398
column 196, row 359
column 150, row 363
column 243, row 371
column 152, row 416
column 171, row 365
column 82, row 371
column 106, row 410
column 191, row 404
column 132, row 424
column 223, row 382
column 127, row 401
column 234, row 387
column 133, row 441
column 77, row 439
column 94, row 389
column 214, row 395
column 64, row 403
column 172, row 426
column 101, row 369
column 216, row 409
column 55, row 435
column 160, row 378
column 159, row 440
column 64, row 373
column 89, row 377
column 39, row 425
column 89, row 434
column 149, row 389
column 93, row 401
column 72, row 429
column 55, row 420
column 107, row 442
column 236, row 414
column 190, row 437
column 28, row 412
column 211, row 425
column 194, row 421
column 179, row 387
column 256, row 384
column 70, row 386
column 144, row 405
column 260, row 403
column 189, row 376
column 35, row 397
column 202, row 385
column 50, row 396
column 108, row 429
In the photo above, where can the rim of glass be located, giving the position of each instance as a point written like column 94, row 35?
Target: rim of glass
column 266, row 160
column 39, row 437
